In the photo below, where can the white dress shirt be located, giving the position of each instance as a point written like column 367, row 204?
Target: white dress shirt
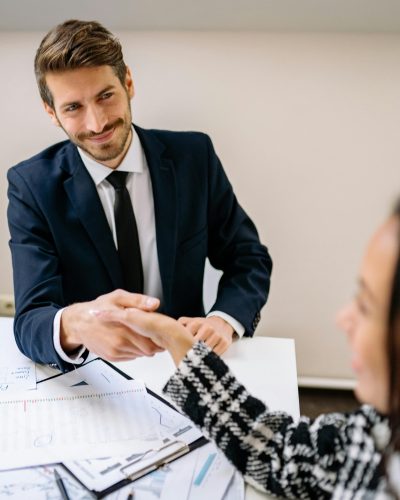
column 141, row 193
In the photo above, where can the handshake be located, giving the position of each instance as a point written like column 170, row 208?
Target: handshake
column 120, row 326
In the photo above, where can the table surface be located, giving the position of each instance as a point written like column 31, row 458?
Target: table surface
column 265, row 365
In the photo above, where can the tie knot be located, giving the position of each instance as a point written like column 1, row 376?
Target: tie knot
column 117, row 179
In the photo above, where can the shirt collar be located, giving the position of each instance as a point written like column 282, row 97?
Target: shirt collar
column 132, row 162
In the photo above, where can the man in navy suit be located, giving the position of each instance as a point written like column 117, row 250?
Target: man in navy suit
column 66, row 251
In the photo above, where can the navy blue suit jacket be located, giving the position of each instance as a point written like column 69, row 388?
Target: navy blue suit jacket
column 63, row 251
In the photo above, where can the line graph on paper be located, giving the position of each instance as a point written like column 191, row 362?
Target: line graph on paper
column 37, row 483
column 41, row 421
column 72, row 418
column 172, row 423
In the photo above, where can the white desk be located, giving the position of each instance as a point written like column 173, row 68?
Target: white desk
column 266, row 366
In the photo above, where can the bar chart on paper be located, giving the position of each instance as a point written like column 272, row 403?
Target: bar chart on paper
column 214, row 475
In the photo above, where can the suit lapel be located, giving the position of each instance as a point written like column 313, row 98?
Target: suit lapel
column 82, row 194
column 163, row 180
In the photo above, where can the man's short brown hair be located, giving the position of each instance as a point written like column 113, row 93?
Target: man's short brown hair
column 77, row 44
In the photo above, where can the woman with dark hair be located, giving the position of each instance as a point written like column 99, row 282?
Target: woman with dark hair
column 339, row 456
column 393, row 353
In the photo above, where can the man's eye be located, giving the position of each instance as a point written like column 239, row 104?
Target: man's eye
column 71, row 107
column 106, row 95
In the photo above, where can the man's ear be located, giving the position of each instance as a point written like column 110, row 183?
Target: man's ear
column 50, row 111
column 130, row 88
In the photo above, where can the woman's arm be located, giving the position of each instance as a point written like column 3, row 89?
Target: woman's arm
column 293, row 460
column 274, row 454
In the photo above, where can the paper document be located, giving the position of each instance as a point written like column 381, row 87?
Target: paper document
column 171, row 482
column 236, row 490
column 99, row 474
column 98, row 374
column 17, row 378
column 37, row 483
column 17, row 372
column 106, row 428
column 176, row 430
column 213, row 474
column 57, row 423
column 168, row 483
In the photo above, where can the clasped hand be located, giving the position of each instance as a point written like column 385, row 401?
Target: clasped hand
column 175, row 336
column 110, row 328
column 112, row 340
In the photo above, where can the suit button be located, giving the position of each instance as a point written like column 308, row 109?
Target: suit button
column 256, row 320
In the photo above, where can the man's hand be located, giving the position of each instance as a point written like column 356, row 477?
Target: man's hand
column 162, row 330
column 109, row 340
column 214, row 331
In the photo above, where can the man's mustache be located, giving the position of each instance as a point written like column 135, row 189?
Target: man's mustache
column 107, row 128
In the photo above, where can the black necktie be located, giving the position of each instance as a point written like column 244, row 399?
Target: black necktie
column 127, row 234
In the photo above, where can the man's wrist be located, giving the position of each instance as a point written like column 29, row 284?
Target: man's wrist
column 69, row 336
column 225, row 325
column 238, row 328
column 75, row 356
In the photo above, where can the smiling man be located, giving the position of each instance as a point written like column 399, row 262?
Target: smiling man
column 118, row 216
column 93, row 109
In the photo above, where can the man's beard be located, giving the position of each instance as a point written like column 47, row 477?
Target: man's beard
column 107, row 151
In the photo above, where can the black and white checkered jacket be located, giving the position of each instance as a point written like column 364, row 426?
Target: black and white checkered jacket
column 335, row 456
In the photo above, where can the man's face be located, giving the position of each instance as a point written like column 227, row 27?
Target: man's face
column 93, row 108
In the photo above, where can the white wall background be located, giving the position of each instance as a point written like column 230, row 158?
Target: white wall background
column 307, row 127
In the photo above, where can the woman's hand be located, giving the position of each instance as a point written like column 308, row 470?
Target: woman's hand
column 162, row 330
column 112, row 341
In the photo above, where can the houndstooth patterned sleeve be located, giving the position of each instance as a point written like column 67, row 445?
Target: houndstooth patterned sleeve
column 274, row 454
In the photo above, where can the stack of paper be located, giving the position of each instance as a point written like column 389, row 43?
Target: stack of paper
column 106, row 430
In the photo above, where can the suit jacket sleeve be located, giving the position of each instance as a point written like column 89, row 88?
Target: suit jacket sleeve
column 37, row 277
column 235, row 248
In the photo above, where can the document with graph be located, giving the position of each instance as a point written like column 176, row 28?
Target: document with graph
column 176, row 436
column 59, row 423
column 108, row 431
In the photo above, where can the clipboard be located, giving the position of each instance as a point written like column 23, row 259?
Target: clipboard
column 135, row 466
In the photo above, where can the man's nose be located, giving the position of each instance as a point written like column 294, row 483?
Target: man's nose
column 95, row 119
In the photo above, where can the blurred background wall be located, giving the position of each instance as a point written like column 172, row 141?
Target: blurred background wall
column 306, row 125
